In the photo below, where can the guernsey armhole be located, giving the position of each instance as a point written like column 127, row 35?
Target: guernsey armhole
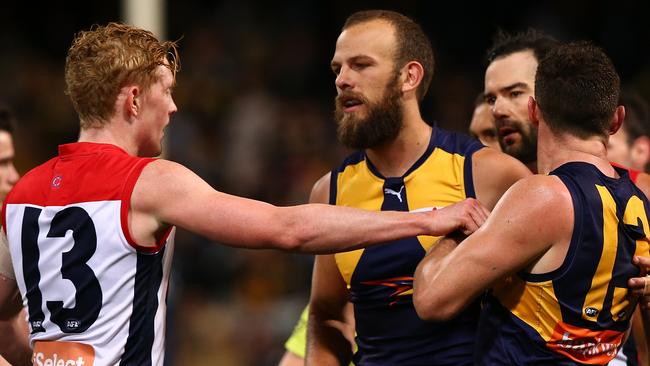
column 127, row 191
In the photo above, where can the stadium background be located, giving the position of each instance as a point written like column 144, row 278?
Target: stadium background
column 255, row 119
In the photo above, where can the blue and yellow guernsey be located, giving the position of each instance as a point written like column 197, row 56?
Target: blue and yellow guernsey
column 380, row 278
column 579, row 313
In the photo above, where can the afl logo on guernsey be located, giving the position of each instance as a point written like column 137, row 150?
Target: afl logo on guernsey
column 56, row 181
column 591, row 312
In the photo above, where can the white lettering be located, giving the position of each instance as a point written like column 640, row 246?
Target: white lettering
column 587, row 347
column 41, row 360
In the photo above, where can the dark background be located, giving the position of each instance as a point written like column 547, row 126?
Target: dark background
column 255, row 119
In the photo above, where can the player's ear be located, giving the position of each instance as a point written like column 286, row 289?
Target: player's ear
column 640, row 152
column 412, row 74
column 617, row 119
column 533, row 111
column 131, row 104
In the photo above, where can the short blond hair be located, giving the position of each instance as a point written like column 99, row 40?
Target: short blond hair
column 104, row 59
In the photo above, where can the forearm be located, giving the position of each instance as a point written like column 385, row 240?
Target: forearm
column 14, row 341
column 426, row 275
column 10, row 299
column 643, row 341
column 328, row 229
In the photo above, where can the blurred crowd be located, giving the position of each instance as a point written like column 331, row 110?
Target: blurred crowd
column 255, row 99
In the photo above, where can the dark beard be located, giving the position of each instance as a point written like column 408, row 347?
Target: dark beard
column 526, row 151
column 383, row 123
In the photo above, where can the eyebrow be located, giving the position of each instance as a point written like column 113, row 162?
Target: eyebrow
column 356, row 58
column 514, row 86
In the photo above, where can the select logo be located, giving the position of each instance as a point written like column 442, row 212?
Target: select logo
column 63, row 354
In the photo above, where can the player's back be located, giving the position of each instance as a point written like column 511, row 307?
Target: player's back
column 578, row 313
column 92, row 293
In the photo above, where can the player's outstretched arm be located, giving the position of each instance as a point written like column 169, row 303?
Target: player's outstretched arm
column 515, row 236
column 167, row 193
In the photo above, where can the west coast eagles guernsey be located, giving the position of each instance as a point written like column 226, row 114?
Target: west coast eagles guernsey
column 579, row 313
column 380, row 278
column 94, row 296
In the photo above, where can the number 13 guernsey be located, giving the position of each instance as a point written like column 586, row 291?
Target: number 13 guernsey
column 94, row 296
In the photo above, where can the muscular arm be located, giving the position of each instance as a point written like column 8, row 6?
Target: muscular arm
column 14, row 340
column 169, row 194
column 326, row 343
column 515, row 236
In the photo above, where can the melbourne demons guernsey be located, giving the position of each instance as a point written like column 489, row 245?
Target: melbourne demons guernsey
column 94, row 296
column 380, row 278
column 579, row 313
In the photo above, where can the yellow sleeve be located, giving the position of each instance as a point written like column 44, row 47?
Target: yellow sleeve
column 297, row 342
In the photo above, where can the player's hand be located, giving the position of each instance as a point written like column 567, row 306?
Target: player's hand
column 640, row 286
column 465, row 216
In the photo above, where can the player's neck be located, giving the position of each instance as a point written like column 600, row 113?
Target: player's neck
column 554, row 152
column 108, row 135
column 394, row 158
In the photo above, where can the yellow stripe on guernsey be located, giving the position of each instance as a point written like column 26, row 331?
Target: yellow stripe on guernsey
column 634, row 211
column 533, row 303
column 531, row 297
column 427, row 186
column 599, row 283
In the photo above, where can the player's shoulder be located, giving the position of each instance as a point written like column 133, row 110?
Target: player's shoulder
column 163, row 168
column 490, row 164
column 320, row 192
column 493, row 172
column 499, row 160
column 543, row 191
column 537, row 199
column 455, row 142
column 323, row 181
column 161, row 177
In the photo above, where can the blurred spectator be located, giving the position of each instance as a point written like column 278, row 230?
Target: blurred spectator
column 630, row 146
column 482, row 125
